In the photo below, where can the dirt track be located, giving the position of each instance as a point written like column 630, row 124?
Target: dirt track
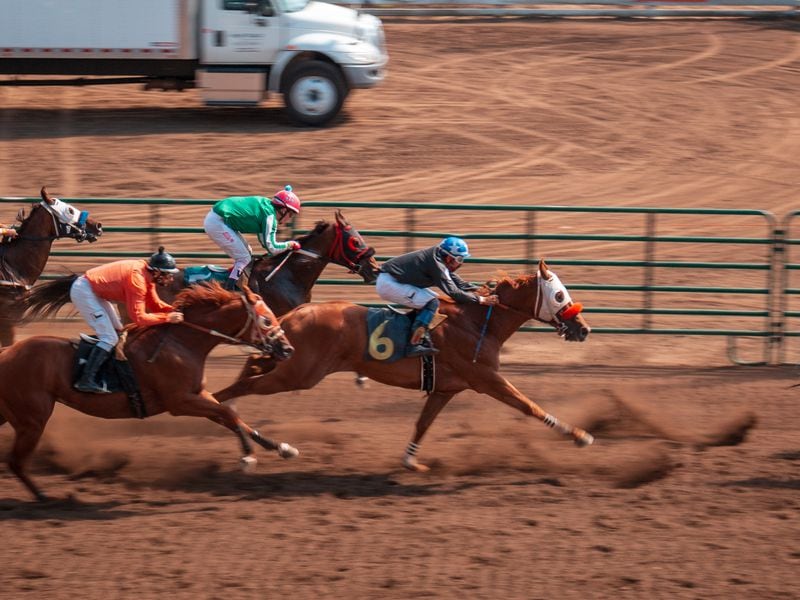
column 684, row 495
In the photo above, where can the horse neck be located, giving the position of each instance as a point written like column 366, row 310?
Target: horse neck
column 28, row 257
column 521, row 303
column 291, row 285
column 201, row 343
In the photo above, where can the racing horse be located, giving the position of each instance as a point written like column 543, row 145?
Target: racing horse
column 22, row 259
column 284, row 281
column 331, row 337
column 168, row 361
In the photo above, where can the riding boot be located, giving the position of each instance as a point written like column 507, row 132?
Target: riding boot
column 230, row 285
column 87, row 382
column 420, row 343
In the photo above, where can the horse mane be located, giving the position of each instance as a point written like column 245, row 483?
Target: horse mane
column 319, row 227
column 504, row 279
column 212, row 295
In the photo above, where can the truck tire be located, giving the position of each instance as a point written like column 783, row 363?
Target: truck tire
column 313, row 92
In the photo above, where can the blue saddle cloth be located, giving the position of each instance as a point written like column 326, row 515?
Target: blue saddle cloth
column 195, row 274
column 387, row 334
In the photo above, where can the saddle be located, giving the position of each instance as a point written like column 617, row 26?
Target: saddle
column 115, row 375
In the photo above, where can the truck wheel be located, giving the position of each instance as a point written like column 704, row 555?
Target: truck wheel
column 314, row 92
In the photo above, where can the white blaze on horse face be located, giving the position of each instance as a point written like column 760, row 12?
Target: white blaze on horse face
column 553, row 296
column 64, row 212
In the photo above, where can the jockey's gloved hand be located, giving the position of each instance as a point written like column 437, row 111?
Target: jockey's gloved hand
column 490, row 300
column 293, row 245
column 175, row 317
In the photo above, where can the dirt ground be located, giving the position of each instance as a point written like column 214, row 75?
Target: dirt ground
column 691, row 489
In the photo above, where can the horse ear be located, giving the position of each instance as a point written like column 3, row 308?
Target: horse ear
column 21, row 215
column 543, row 271
column 45, row 196
column 340, row 217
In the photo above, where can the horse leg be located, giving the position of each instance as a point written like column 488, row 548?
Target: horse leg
column 433, row 406
column 486, row 381
column 26, row 439
column 205, row 405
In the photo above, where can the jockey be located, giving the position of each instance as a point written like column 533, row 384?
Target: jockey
column 132, row 282
column 405, row 280
column 230, row 218
column 7, row 232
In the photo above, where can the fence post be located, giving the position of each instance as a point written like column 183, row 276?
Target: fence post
column 649, row 257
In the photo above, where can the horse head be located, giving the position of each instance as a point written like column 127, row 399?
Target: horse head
column 66, row 219
column 240, row 318
column 351, row 251
column 543, row 297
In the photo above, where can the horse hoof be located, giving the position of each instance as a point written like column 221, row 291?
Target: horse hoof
column 287, row 451
column 583, row 440
column 410, row 463
column 247, row 463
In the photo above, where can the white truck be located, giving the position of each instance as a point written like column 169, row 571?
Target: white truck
column 234, row 51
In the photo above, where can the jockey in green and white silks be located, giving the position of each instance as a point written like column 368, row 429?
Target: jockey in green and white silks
column 228, row 219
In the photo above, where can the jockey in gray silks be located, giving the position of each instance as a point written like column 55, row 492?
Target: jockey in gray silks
column 406, row 280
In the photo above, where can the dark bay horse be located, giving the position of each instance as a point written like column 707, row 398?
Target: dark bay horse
column 331, row 337
column 168, row 361
column 284, row 281
column 22, row 259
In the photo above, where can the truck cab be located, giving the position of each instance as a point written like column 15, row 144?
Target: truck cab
column 311, row 52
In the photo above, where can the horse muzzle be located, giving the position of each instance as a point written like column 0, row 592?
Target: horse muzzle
column 574, row 330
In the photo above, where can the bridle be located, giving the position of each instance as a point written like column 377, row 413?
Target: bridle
column 560, row 317
column 75, row 229
column 355, row 244
column 267, row 338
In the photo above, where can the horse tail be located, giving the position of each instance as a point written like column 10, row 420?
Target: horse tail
column 47, row 298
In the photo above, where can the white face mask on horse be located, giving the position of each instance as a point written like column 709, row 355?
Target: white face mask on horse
column 553, row 303
column 68, row 218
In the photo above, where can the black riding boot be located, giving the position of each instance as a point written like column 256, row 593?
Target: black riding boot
column 230, row 285
column 420, row 343
column 87, row 382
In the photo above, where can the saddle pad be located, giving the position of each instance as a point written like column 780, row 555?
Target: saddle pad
column 194, row 274
column 387, row 334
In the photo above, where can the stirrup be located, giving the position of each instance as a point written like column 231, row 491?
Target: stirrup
column 90, row 388
column 413, row 350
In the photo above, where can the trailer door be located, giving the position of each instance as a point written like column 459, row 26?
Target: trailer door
column 237, row 32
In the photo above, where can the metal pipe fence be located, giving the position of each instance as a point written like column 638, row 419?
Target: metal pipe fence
column 726, row 274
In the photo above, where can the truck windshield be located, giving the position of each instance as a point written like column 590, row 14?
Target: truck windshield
column 291, row 5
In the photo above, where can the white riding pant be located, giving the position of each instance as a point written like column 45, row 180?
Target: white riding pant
column 232, row 242
column 101, row 315
column 392, row 290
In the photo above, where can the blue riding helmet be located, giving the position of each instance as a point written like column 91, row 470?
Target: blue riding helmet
column 455, row 247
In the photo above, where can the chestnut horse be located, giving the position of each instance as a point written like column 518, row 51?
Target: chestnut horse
column 331, row 337
column 284, row 281
column 168, row 361
column 23, row 258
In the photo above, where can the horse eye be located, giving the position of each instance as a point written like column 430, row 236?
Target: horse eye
column 559, row 297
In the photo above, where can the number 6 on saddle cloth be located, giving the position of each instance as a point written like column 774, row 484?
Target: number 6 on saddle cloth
column 388, row 330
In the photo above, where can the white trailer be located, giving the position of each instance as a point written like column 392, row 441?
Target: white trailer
column 234, row 51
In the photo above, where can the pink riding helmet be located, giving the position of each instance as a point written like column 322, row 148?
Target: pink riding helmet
column 286, row 198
